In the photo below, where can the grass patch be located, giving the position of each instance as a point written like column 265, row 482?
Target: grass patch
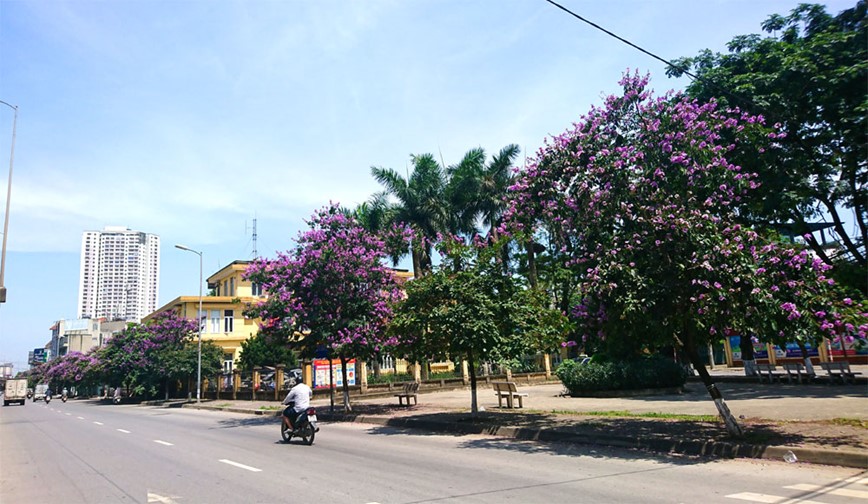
column 270, row 408
column 223, row 405
column 851, row 422
column 652, row 414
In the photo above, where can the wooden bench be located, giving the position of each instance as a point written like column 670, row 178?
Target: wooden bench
column 510, row 392
column 797, row 370
column 410, row 390
column 769, row 372
column 839, row 370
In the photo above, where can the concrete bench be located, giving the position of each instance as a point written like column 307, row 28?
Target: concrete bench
column 768, row 372
column 839, row 370
column 797, row 370
column 410, row 390
column 510, row 392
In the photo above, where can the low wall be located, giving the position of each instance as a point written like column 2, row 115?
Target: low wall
column 387, row 389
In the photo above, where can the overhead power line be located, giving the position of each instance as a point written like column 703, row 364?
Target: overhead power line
column 682, row 69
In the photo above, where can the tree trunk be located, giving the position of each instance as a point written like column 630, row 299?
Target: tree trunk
column 331, row 384
column 346, row 387
column 424, row 369
column 809, row 367
column 417, row 263
column 531, row 264
column 747, row 357
column 732, row 425
column 474, row 405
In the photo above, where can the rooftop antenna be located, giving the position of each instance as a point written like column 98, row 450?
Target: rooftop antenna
column 255, row 252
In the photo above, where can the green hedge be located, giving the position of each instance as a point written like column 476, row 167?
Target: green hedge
column 639, row 373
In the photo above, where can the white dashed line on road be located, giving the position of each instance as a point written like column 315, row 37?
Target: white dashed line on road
column 842, row 492
column 99, row 423
column 80, row 418
column 124, row 431
column 242, row 466
column 166, row 443
column 162, row 499
column 69, row 414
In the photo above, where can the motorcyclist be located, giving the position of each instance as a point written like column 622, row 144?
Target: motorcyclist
column 296, row 401
column 65, row 392
column 48, row 393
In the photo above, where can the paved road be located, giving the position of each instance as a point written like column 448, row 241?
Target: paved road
column 84, row 452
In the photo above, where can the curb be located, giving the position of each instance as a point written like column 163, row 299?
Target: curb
column 854, row 459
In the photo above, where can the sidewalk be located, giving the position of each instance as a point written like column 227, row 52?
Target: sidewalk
column 825, row 424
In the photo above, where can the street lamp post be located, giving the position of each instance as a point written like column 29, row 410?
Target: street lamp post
column 8, row 195
column 199, row 322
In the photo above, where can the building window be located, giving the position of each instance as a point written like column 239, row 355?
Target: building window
column 228, row 318
column 232, row 286
column 256, row 289
column 214, row 327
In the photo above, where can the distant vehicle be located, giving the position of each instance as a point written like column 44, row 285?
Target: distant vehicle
column 15, row 391
column 39, row 393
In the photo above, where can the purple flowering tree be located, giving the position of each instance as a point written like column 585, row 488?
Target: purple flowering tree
column 74, row 369
column 332, row 292
column 144, row 357
column 639, row 198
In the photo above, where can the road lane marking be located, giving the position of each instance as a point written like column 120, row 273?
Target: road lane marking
column 98, row 423
column 124, row 431
column 756, row 497
column 768, row 499
column 163, row 442
column 80, row 418
column 242, row 466
column 69, row 414
column 843, row 492
column 162, row 499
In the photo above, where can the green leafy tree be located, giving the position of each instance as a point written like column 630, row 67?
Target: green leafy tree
column 264, row 350
column 808, row 74
column 469, row 310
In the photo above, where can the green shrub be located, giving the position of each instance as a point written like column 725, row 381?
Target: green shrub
column 389, row 378
column 639, row 373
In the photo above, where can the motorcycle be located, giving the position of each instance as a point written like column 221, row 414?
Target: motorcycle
column 47, row 398
column 64, row 397
column 305, row 427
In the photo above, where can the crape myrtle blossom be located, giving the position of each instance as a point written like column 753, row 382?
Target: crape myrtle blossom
column 640, row 198
column 74, row 368
column 331, row 291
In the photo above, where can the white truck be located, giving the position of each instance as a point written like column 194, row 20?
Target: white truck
column 39, row 393
column 15, row 391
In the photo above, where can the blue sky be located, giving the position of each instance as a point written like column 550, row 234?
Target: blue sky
column 187, row 119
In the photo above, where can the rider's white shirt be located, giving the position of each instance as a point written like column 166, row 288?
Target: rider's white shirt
column 301, row 395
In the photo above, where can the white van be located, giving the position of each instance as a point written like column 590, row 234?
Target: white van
column 39, row 393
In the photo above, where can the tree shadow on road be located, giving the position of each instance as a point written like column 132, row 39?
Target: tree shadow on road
column 643, row 437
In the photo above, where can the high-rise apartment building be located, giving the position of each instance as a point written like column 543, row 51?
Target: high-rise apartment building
column 119, row 275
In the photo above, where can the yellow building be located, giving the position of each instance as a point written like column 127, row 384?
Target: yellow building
column 224, row 322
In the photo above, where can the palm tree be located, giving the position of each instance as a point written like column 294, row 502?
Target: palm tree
column 477, row 191
column 421, row 204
